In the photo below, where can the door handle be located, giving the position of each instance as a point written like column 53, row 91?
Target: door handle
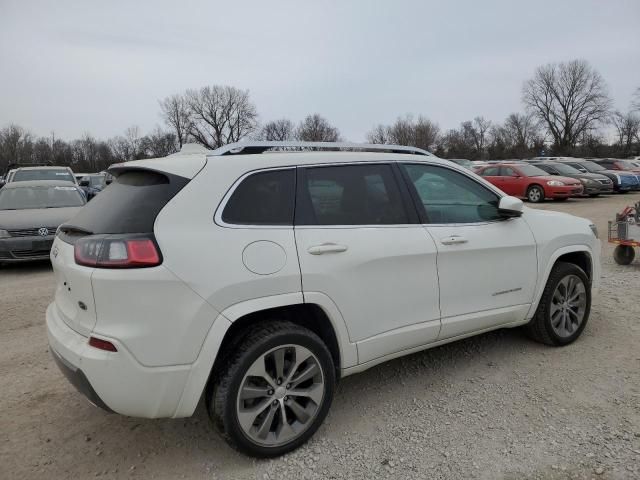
column 453, row 240
column 327, row 248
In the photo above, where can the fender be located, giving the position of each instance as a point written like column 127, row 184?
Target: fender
column 544, row 277
column 201, row 368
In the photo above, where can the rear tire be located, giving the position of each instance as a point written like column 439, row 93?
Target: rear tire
column 258, row 401
column 594, row 195
column 564, row 308
column 623, row 254
column 535, row 194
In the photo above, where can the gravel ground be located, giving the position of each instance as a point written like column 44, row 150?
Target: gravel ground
column 494, row 406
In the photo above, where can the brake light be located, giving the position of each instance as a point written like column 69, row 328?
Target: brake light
column 102, row 344
column 117, row 251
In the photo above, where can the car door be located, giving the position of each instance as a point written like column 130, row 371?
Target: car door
column 515, row 183
column 360, row 244
column 487, row 265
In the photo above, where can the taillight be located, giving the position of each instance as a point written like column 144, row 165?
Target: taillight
column 117, row 251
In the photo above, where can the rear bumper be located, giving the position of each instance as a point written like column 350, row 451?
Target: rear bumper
column 79, row 380
column 115, row 381
column 25, row 249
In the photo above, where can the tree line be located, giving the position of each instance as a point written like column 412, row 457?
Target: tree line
column 566, row 108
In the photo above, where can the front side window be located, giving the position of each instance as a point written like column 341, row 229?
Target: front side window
column 263, row 198
column 451, row 197
column 351, row 195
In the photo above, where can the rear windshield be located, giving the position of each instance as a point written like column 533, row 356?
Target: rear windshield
column 25, row 198
column 129, row 204
column 44, row 174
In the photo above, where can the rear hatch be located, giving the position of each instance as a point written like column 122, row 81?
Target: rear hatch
column 125, row 211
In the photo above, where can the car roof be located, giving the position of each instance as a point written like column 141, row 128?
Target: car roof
column 40, row 183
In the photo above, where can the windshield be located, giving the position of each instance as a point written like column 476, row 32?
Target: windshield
column 44, row 174
column 592, row 166
column 531, row 171
column 566, row 169
column 24, row 198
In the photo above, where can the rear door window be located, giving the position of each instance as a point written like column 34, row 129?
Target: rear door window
column 263, row 198
column 350, row 195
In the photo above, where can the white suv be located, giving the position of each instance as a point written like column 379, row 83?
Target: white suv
column 255, row 279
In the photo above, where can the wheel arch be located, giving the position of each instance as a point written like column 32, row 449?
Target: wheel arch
column 579, row 255
column 321, row 317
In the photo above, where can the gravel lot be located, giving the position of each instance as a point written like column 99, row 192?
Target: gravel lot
column 494, row 406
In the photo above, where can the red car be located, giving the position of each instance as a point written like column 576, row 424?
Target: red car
column 532, row 183
column 617, row 164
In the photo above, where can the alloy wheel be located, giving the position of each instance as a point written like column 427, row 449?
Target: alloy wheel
column 280, row 395
column 568, row 306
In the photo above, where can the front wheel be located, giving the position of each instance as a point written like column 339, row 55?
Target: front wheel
column 564, row 308
column 623, row 254
column 535, row 194
column 274, row 391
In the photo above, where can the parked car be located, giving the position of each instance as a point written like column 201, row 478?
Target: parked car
column 219, row 297
column 30, row 213
column 25, row 174
column 617, row 164
column 92, row 184
column 593, row 183
column 622, row 181
column 526, row 181
column 463, row 162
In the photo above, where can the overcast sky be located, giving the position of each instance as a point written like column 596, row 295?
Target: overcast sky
column 101, row 66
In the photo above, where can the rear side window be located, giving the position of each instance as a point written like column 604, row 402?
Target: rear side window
column 351, row 195
column 263, row 198
column 130, row 204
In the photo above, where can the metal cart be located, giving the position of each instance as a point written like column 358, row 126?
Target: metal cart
column 625, row 232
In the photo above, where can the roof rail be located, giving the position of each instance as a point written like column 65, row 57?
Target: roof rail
column 247, row 148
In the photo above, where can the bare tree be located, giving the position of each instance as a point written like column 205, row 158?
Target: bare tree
column 315, row 128
column 478, row 132
column 627, row 129
column 159, row 144
column 635, row 102
column 277, row 130
column 379, row 134
column 421, row 133
column 177, row 116
column 220, row 115
column 570, row 98
column 133, row 137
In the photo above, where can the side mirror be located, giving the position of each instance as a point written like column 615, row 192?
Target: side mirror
column 108, row 181
column 510, row 206
column 84, row 183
